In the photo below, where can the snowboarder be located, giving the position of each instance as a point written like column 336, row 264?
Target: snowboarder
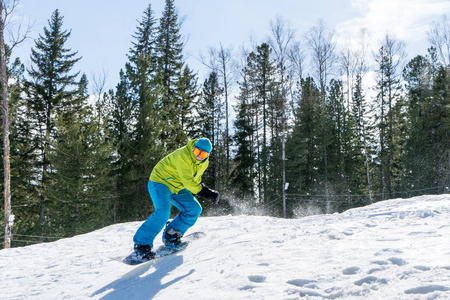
column 173, row 181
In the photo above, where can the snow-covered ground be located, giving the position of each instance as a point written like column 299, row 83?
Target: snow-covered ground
column 397, row 249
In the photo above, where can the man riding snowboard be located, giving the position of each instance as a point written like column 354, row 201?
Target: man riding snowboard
column 174, row 181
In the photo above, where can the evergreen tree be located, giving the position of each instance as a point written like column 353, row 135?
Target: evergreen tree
column 303, row 148
column 209, row 124
column 23, row 171
column 139, row 150
column 81, row 188
column 417, row 160
column 50, row 88
column 243, row 174
column 277, row 110
column 262, row 71
column 188, row 92
column 143, row 55
column 426, row 153
column 436, row 109
column 121, row 125
column 388, row 113
column 170, row 66
column 344, row 155
column 260, row 114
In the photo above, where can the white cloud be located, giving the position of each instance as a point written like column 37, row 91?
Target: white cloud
column 407, row 20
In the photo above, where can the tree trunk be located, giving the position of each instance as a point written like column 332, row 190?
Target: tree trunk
column 5, row 130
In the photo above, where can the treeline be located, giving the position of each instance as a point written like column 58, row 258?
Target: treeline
column 342, row 148
column 80, row 161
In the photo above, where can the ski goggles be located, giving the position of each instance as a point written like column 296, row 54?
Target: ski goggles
column 199, row 152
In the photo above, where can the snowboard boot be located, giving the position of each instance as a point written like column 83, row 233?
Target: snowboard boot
column 172, row 238
column 144, row 252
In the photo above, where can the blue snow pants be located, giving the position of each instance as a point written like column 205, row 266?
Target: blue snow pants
column 162, row 198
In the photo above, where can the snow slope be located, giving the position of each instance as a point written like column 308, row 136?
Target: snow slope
column 397, row 249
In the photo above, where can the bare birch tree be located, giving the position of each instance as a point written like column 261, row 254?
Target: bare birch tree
column 360, row 69
column 6, row 9
column 297, row 59
column 439, row 37
column 348, row 61
column 98, row 90
column 281, row 41
column 322, row 46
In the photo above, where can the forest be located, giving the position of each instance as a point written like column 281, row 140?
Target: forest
column 289, row 140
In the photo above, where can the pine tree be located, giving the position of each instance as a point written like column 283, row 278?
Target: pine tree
column 303, row 146
column 262, row 71
column 170, row 49
column 388, row 111
column 81, row 188
column 426, row 153
column 143, row 55
column 139, row 93
column 243, row 174
column 345, row 159
column 188, row 92
column 170, row 68
column 258, row 126
column 436, row 109
column 50, row 88
column 23, row 171
column 121, row 125
column 277, row 111
column 416, row 172
column 209, row 124
column 172, row 76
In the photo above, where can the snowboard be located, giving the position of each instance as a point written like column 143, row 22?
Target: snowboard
column 161, row 251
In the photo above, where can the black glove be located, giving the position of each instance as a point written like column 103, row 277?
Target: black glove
column 209, row 194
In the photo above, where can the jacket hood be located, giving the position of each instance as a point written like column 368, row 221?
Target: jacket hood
column 190, row 146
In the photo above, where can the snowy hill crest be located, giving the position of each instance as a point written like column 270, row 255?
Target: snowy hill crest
column 396, row 249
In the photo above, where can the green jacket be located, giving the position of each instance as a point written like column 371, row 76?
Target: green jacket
column 180, row 170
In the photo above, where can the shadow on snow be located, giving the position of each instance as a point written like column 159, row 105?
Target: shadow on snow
column 133, row 286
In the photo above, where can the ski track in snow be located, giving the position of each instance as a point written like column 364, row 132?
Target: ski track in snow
column 395, row 249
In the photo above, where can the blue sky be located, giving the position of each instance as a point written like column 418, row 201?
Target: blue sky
column 102, row 29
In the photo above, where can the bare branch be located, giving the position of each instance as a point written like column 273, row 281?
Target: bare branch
column 439, row 37
column 99, row 82
column 321, row 43
column 18, row 34
column 282, row 36
column 297, row 57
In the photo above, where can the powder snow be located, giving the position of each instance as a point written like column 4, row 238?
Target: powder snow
column 394, row 249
